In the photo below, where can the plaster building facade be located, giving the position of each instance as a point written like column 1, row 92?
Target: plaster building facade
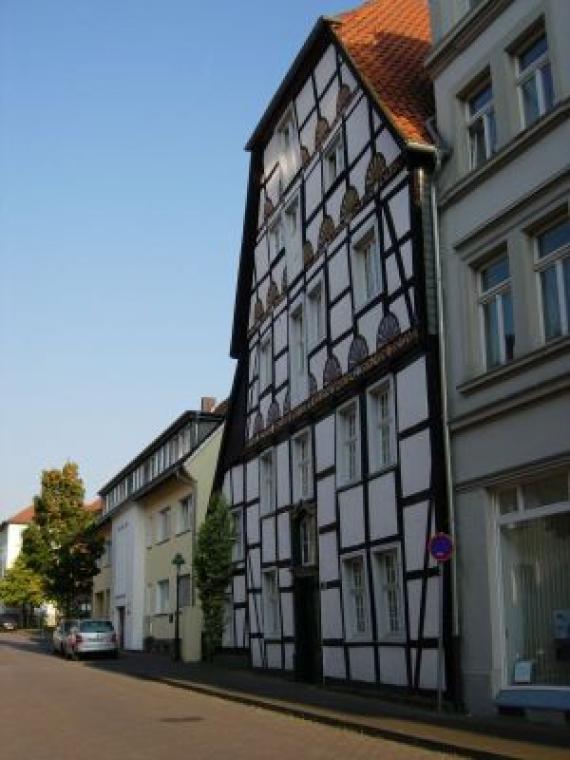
column 152, row 510
column 331, row 458
column 501, row 72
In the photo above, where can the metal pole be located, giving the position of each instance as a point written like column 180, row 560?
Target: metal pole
column 440, row 643
column 176, row 619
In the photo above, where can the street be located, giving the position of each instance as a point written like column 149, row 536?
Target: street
column 52, row 708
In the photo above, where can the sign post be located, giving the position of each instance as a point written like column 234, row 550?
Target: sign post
column 441, row 548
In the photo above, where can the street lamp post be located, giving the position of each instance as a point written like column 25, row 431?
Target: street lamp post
column 178, row 560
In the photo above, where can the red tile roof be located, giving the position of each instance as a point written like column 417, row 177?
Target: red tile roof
column 388, row 41
column 25, row 516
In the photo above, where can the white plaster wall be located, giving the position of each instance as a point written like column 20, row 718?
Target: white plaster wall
column 393, row 281
column 226, row 488
column 400, row 209
column 328, row 101
column 252, row 474
column 358, row 174
column 406, row 256
column 393, row 666
column 313, row 190
column 348, row 78
column 333, row 204
column 351, row 510
column 268, row 539
column 431, row 608
column 415, row 463
column 317, row 366
column 339, row 278
column 252, row 523
column 312, row 230
column 280, row 331
column 264, row 404
column 368, row 326
column 361, row 664
column 382, row 506
column 285, row 577
column 283, row 479
column 325, row 443
column 239, row 589
column 237, row 484
column 357, row 129
column 261, row 259
column 341, row 350
column 255, row 617
column 341, row 317
column 274, row 656
column 415, row 531
column 287, row 613
column 254, row 567
column 240, row 628
column 325, row 68
column 326, row 501
column 386, row 145
column 305, row 101
column 428, row 671
column 333, row 662
column 284, row 536
column 307, row 134
column 256, row 655
column 289, row 656
column 328, row 557
column 400, row 309
column 331, row 615
column 411, row 385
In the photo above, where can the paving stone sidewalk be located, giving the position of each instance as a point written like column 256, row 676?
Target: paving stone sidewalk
column 459, row 734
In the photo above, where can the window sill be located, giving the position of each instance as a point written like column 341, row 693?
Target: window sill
column 161, row 614
column 495, row 375
column 361, row 638
column 513, row 148
column 162, row 541
column 182, row 532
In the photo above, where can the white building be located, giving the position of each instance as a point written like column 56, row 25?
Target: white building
column 332, row 456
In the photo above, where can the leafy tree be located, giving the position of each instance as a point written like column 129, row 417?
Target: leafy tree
column 21, row 587
column 60, row 545
column 213, row 569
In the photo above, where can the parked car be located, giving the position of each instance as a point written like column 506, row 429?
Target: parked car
column 60, row 634
column 91, row 637
column 8, row 624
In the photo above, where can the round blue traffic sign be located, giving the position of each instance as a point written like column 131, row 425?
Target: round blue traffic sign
column 441, row 547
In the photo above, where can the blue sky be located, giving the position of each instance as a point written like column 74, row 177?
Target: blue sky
column 122, row 188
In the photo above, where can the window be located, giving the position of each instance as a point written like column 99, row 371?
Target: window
column 237, row 524
column 302, row 468
column 185, row 514
column 533, row 525
column 293, row 239
column 348, row 444
column 356, row 606
column 381, row 427
column 108, row 553
column 185, row 590
column 481, row 126
column 267, row 482
column 163, row 525
column 289, row 149
column 552, row 263
column 496, row 306
column 162, row 597
column 534, row 80
column 388, row 582
column 367, row 266
column 265, row 363
column 298, row 356
column 308, row 540
column 276, row 238
column 334, row 161
column 271, row 617
column 316, row 313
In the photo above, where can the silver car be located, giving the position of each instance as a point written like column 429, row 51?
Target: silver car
column 60, row 634
column 91, row 637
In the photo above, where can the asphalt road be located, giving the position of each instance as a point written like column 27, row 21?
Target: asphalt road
column 52, row 708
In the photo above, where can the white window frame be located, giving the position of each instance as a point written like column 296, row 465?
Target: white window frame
column 183, row 602
column 164, row 525
column 302, row 466
column 265, row 361
column 237, row 524
column 316, row 311
column 378, row 463
column 162, row 601
column 346, row 443
column 497, row 294
column 333, row 159
column 188, row 503
column 271, row 604
column 383, row 613
column 536, row 71
column 486, row 115
column 349, row 593
column 367, row 266
column 267, row 482
column 308, row 540
column 292, row 237
column 298, row 358
column 556, row 259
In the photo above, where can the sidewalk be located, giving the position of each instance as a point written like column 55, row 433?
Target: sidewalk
column 451, row 733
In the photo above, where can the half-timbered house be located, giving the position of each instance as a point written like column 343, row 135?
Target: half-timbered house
column 331, row 457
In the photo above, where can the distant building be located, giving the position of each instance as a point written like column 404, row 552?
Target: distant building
column 501, row 71
column 152, row 510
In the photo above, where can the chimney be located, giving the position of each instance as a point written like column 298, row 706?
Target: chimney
column 208, row 403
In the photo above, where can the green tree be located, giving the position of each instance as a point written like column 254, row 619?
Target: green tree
column 213, row 569
column 60, row 545
column 21, row 587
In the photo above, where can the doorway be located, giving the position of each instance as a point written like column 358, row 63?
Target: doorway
column 121, row 627
column 308, row 665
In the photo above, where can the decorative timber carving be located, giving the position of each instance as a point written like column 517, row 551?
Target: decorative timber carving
column 358, row 352
column 327, row 231
column 273, row 413
column 272, row 294
column 343, row 98
column 350, row 205
column 332, row 370
column 321, row 131
column 308, row 253
column 388, row 329
column 376, row 171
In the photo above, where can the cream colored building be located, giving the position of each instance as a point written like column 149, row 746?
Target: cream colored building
column 152, row 510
